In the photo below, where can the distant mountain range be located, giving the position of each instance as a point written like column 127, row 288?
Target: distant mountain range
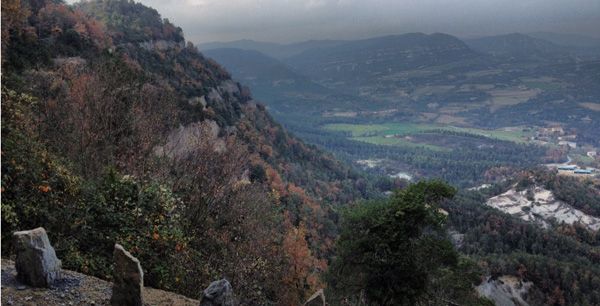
column 381, row 55
column 254, row 67
column 516, row 45
column 537, row 43
column 268, row 77
column 343, row 65
column 278, row 51
column 275, row 82
column 570, row 40
column 352, row 61
column 464, row 80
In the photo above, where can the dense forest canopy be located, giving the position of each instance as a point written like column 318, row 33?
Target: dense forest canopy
column 116, row 130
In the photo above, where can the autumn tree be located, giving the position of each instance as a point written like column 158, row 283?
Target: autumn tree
column 232, row 221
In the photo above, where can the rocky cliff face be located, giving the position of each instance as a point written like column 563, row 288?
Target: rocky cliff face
column 506, row 290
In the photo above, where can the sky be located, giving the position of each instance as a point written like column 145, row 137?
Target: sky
column 297, row 20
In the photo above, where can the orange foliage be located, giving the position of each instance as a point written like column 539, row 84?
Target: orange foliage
column 302, row 272
column 44, row 188
column 14, row 16
column 56, row 18
column 266, row 150
column 275, row 180
column 131, row 63
column 297, row 190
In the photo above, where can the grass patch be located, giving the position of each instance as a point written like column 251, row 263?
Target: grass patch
column 374, row 133
column 582, row 159
column 356, row 129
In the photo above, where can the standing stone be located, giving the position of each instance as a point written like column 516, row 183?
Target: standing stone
column 128, row 283
column 36, row 262
column 218, row 293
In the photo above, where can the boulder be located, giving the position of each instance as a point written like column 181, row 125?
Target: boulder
column 128, row 279
column 317, row 299
column 36, row 262
column 218, row 293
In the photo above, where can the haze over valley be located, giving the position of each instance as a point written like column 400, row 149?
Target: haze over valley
column 511, row 100
column 301, row 152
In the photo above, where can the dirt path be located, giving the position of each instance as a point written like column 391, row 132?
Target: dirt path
column 75, row 289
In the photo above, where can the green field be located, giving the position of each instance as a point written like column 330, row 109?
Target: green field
column 543, row 85
column 375, row 133
column 582, row 159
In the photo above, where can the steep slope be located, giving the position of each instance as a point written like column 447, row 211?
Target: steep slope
column 116, row 129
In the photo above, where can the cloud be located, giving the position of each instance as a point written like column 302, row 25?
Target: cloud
column 293, row 20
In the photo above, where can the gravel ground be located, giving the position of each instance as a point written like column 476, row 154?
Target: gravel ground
column 75, row 289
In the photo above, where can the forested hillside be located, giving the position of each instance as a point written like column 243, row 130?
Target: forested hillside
column 115, row 129
column 562, row 262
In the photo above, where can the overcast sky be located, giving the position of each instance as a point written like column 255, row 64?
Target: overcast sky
column 296, row 20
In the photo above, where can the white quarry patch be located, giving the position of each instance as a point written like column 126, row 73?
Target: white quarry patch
column 540, row 207
column 480, row 187
column 506, row 290
column 369, row 163
column 402, row 175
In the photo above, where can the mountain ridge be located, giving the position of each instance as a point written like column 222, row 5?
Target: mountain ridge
column 165, row 130
column 517, row 45
column 381, row 55
column 275, row 50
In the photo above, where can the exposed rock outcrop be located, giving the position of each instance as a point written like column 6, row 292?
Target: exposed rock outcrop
column 506, row 290
column 128, row 279
column 195, row 101
column 161, row 45
column 218, row 293
column 186, row 139
column 36, row 263
column 317, row 299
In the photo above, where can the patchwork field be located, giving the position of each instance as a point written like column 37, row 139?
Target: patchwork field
column 392, row 133
column 543, row 83
column 509, row 97
column 591, row 106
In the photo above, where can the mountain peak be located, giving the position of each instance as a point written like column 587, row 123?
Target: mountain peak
column 132, row 21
